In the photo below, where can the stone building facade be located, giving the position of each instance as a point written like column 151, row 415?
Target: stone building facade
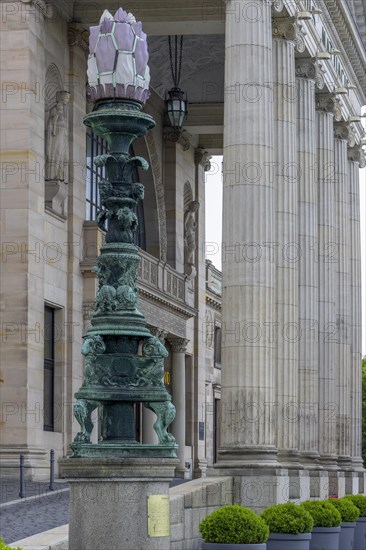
column 262, row 387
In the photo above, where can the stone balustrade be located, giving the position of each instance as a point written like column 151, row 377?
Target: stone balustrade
column 154, row 276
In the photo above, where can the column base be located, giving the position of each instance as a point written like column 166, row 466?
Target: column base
column 345, row 463
column 329, row 462
column 310, row 460
column 181, row 473
column 247, row 457
column 290, row 459
column 36, row 462
column 109, row 501
column 200, row 468
column 357, row 464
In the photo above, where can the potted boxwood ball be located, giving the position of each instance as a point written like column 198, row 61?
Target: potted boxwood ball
column 327, row 521
column 350, row 515
column 233, row 527
column 289, row 525
column 360, row 532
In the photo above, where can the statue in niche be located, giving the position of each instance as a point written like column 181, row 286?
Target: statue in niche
column 190, row 239
column 56, row 138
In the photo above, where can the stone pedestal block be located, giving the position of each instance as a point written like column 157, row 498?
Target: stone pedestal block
column 336, row 484
column 55, row 195
column 362, row 482
column 351, row 483
column 319, row 484
column 258, row 488
column 299, row 485
column 109, row 501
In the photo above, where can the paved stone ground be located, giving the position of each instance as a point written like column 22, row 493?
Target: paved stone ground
column 9, row 489
column 26, row 518
column 22, row 520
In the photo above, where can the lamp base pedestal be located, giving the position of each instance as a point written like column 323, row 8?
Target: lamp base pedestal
column 109, row 501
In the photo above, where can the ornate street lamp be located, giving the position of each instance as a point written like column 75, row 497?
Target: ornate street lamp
column 176, row 105
column 124, row 362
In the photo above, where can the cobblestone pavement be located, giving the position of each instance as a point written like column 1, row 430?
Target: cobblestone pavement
column 22, row 520
column 9, row 488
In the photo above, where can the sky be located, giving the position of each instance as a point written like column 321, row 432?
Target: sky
column 213, row 209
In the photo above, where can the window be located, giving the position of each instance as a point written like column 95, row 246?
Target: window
column 217, row 349
column 98, row 146
column 49, row 369
column 94, row 146
column 216, row 429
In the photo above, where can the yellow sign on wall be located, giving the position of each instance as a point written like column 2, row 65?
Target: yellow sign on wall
column 158, row 516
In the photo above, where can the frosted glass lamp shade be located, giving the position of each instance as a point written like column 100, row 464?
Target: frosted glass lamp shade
column 117, row 63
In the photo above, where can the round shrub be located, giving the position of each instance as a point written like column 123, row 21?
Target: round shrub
column 288, row 518
column 234, row 524
column 323, row 513
column 348, row 511
column 4, row 546
column 360, row 502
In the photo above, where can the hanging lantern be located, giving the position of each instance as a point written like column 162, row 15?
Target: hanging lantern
column 175, row 104
column 176, row 108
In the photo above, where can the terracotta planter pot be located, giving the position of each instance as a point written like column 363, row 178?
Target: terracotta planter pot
column 285, row 541
column 347, row 536
column 360, row 534
column 325, row 538
column 217, row 546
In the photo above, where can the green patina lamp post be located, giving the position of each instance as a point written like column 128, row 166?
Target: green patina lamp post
column 124, row 362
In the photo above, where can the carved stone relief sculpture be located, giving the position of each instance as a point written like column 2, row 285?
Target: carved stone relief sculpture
column 190, row 239
column 56, row 153
column 56, row 138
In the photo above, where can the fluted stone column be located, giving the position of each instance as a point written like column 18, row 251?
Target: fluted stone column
column 306, row 71
column 178, row 429
column 356, row 159
column 287, row 249
column 328, row 258
column 248, row 296
column 343, row 134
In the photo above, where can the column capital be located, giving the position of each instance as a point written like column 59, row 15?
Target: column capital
column 176, row 136
column 288, row 28
column 343, row 130
column 357, row 154
column 310, row 68
column 159, row 333
column 179, row 345
column 203, row 158
column 46, row 9
column 328, row 103
column 76, row 36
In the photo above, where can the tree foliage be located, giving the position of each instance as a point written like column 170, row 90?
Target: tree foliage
column 364, row 409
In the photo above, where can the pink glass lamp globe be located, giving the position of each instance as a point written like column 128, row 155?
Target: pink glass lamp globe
column 117, row 63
